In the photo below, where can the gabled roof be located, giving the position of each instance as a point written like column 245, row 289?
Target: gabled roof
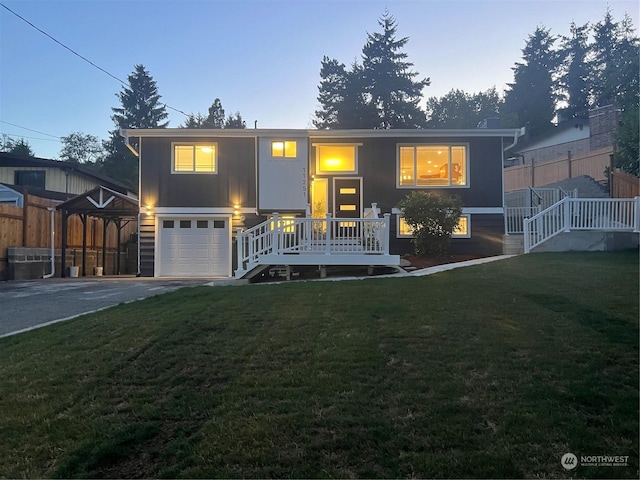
column 13, row 160
column 102, row 202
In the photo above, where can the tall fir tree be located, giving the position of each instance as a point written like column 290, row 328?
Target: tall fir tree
column 216, row 116
column 389, row 80
column 381, row 92
column 531, row 99
column 140, row 108
column 576, row 72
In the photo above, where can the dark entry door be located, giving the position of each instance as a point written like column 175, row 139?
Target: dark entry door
column 347, row 197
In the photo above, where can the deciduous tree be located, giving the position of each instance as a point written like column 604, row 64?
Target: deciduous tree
column 84, row 148
column 458, row 109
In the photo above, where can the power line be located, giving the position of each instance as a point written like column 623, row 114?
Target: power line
column 82, row 57
column 13, row 135
column 30, row 129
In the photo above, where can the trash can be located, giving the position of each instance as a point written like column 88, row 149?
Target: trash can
column 74, row 271
column 98, row 271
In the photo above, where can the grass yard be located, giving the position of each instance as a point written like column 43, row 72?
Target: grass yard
column 490, row 371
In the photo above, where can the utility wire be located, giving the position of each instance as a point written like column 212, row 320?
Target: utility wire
column 13, row 135
column 31, row 130
column 82, row 57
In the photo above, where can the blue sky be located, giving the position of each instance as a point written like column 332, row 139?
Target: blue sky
column 261, row 58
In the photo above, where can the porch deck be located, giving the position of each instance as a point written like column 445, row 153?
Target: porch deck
column 315, row 241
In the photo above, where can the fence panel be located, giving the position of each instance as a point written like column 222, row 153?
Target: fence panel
column 624, row 185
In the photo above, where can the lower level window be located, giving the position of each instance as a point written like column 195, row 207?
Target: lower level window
column 462, row 230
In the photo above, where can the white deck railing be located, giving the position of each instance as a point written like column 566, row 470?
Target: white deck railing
column 329, row 236
column 604, row 214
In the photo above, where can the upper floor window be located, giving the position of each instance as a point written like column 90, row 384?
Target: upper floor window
column 432, row 165
column 195, row 158
column 332, row 158
column 286, row 149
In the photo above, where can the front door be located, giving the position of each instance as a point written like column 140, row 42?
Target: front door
column 347, row 197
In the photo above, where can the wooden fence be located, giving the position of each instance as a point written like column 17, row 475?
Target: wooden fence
column 30, row 226
column 540, row 174
column 624, row 185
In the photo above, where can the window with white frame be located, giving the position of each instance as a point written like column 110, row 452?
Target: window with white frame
column 336, row 158
column 195, row 158
column 426, row 165
column 462, row 230
column 284, row 149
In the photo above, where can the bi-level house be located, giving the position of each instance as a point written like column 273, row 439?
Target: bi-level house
column 225, row 202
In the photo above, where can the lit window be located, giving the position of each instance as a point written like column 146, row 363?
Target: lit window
column 336, row 158
column 462, row 229
column 432, row 165
column 195, row 158
column 287, row 149
column 286, row 223
column 404, row 229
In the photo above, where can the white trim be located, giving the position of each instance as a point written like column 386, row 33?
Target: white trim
column 195, row 211
column 334, row 193
column 194, row 144
column 467, row 155
column 468, row 211
column 192, row 216
column 356, row 133
column 483, row 210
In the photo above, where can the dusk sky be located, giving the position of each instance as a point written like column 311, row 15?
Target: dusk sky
column 261, row 58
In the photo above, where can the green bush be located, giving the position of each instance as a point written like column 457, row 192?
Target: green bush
column 433, row 219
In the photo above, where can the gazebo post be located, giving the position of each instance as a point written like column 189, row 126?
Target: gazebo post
column 83, row 218
column 119, row 227
column 63, row 245
column 105, row 224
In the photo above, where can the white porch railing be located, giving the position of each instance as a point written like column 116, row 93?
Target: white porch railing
column 604, row 214
column 312, row 236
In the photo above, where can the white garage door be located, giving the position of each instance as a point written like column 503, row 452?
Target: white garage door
column 193, row 247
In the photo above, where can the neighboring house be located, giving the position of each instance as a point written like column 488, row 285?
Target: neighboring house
column 199, row 187
column 41, row 175
column 573, row 138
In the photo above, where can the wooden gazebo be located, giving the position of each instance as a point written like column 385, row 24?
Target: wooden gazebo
column 100, row 202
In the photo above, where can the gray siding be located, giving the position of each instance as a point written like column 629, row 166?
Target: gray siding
column 234, row 182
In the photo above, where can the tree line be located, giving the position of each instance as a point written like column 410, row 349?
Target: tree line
column 557, row 77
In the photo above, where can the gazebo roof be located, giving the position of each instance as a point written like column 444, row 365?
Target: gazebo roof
column 102, row 202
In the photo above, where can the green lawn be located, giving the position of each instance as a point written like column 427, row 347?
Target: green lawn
column 489, row 371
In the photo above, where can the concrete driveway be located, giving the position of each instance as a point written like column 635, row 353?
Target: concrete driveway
column 29, row 304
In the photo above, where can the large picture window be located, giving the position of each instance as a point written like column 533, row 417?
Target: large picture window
column 195, row 158
column 432, row 165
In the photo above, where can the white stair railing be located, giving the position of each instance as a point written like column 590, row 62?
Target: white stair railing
column 602, row 214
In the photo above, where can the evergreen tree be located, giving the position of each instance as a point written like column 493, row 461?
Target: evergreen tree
column 458, row 109
column 531, row 98
column 235, row 121
column 389, row 79
column 576, row 72
column 216, row 117
column 342, row 98
column 141, row 108
column 615, row 64
column 193, row 121
column 379, row 93
column 17, row 147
